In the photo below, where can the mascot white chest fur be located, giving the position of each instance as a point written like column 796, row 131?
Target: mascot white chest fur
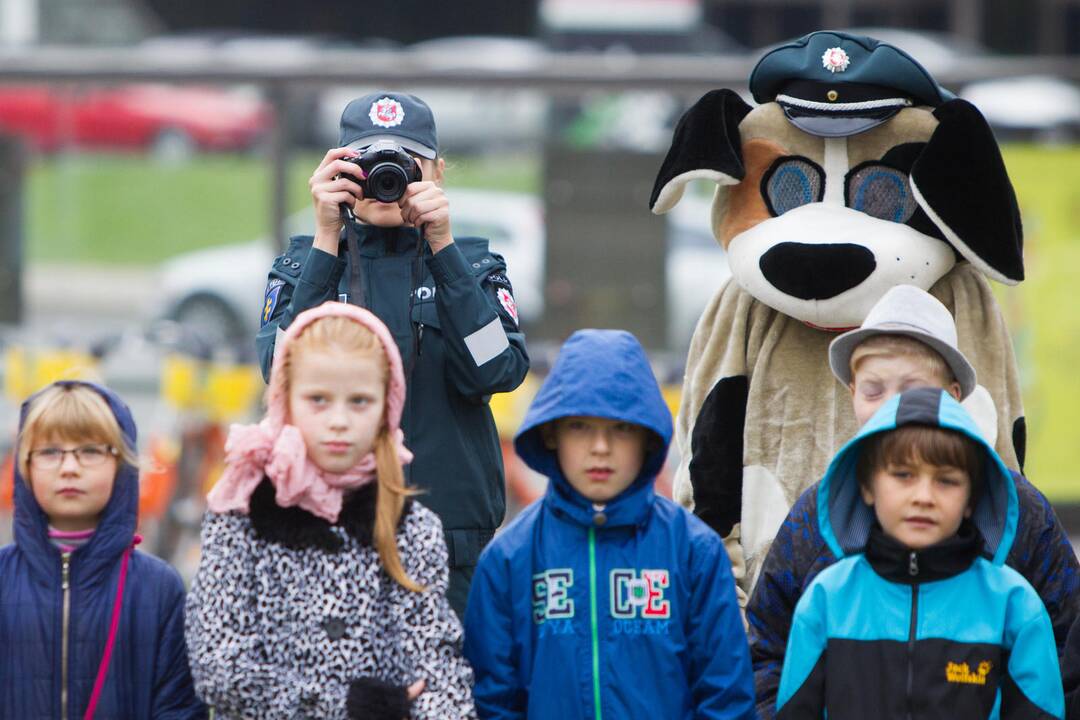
column 855, row 173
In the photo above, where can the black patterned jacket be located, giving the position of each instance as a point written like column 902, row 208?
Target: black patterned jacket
column 292, row 617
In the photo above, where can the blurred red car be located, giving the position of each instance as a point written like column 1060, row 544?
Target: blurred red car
column 162, row 118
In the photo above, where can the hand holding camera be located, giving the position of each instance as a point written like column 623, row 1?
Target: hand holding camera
column 383, row 185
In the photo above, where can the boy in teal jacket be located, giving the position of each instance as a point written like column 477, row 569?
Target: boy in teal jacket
column 920, row 618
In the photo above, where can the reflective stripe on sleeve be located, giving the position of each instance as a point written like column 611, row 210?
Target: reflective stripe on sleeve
column 487, row 342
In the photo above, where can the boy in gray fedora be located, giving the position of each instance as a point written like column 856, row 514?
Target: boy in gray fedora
column 908, row 340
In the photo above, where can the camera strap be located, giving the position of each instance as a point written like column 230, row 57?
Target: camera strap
column 356, row 279
column 416, row 275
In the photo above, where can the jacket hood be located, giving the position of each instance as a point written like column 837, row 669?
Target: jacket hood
column 116, row 530
column 598, row 373
column 846, row 523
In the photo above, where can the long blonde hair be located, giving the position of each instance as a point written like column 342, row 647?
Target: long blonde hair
column 345, row 335
column 74, row 413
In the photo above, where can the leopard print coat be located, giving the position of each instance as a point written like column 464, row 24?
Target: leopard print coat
column 287, row 612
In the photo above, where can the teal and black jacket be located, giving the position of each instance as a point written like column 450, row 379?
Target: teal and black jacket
column 620, row 612
column 945, row 632
column 468, row 345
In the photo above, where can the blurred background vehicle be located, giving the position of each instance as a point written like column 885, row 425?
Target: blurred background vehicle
column 217, row 293
column 1039, row 108
column 167, row 120
column 696, row 266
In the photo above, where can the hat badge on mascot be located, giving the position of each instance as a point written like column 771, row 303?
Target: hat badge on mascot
column 855, row 173
column 835, row 60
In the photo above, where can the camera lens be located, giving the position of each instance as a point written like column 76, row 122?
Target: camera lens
column 387, row 182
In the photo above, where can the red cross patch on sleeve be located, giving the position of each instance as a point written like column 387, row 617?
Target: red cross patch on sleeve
column 508, row 304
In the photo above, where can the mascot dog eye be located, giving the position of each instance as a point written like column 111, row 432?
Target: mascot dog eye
column 853, row 174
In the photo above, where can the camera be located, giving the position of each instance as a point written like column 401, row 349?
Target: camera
column 389, row 168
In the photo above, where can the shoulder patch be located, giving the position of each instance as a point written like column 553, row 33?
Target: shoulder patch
column 506, row 300
column 273, row 292
column 500, row 279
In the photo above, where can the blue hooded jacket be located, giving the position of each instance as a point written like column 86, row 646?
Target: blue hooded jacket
column 622, row 611
column 148, row 676
column 948, row 631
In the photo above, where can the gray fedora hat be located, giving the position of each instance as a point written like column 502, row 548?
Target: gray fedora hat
column 906, row 310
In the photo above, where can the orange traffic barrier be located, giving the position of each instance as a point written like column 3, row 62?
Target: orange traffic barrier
column 157, row 481
column 7, row 482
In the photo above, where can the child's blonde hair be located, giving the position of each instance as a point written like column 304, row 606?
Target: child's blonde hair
column 892, row 345
column 71, row 412
column 346, row 335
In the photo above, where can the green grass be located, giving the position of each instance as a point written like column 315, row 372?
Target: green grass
column 1043, row 316
column 116, row 208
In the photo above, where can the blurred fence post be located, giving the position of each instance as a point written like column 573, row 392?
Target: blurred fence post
column 12, row 174
column 605, row 252
column 278, row 96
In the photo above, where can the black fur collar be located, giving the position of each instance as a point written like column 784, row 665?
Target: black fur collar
column 297, row 529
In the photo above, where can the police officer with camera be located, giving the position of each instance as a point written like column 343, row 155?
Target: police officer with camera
column 383, row 240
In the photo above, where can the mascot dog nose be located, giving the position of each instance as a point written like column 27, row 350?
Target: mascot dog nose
column 816, row 272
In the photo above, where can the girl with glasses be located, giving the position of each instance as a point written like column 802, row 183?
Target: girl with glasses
column 89, row 627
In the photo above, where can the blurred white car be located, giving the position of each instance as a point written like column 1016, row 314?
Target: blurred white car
column 1040, row 107
column 696, row 267
column 217, row 293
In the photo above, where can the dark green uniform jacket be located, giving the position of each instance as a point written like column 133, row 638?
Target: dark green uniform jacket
column 469, row 347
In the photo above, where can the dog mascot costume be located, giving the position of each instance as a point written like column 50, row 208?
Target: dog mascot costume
column 854, row 173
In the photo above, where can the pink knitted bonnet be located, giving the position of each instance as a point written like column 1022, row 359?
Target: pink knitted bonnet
column 275, row 449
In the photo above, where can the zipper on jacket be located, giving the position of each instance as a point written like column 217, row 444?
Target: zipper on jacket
column 913, row 570
column 65, row 574
column 593, row 623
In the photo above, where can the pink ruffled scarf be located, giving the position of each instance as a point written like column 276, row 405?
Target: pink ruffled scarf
column 274, row 449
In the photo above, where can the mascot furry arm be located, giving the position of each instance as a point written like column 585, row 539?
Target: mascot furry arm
column 817, row 227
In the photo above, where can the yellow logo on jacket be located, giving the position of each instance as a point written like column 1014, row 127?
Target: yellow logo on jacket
column 961, row 673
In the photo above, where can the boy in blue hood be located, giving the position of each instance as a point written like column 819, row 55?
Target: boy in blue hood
column 920, row 618
column 602, row 599
column 89, row 627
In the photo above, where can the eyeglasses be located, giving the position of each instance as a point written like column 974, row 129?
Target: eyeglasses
column 51, row 458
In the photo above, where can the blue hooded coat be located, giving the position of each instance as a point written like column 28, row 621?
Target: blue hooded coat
column 148, row 674
column 622, row 611
column 948, row 631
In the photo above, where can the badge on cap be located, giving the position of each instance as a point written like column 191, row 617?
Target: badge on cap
column 835, row 60
column 386, row 112
column 508, row 304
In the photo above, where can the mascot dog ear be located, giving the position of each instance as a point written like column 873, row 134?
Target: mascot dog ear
column 706, row 145
column 959, row 180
